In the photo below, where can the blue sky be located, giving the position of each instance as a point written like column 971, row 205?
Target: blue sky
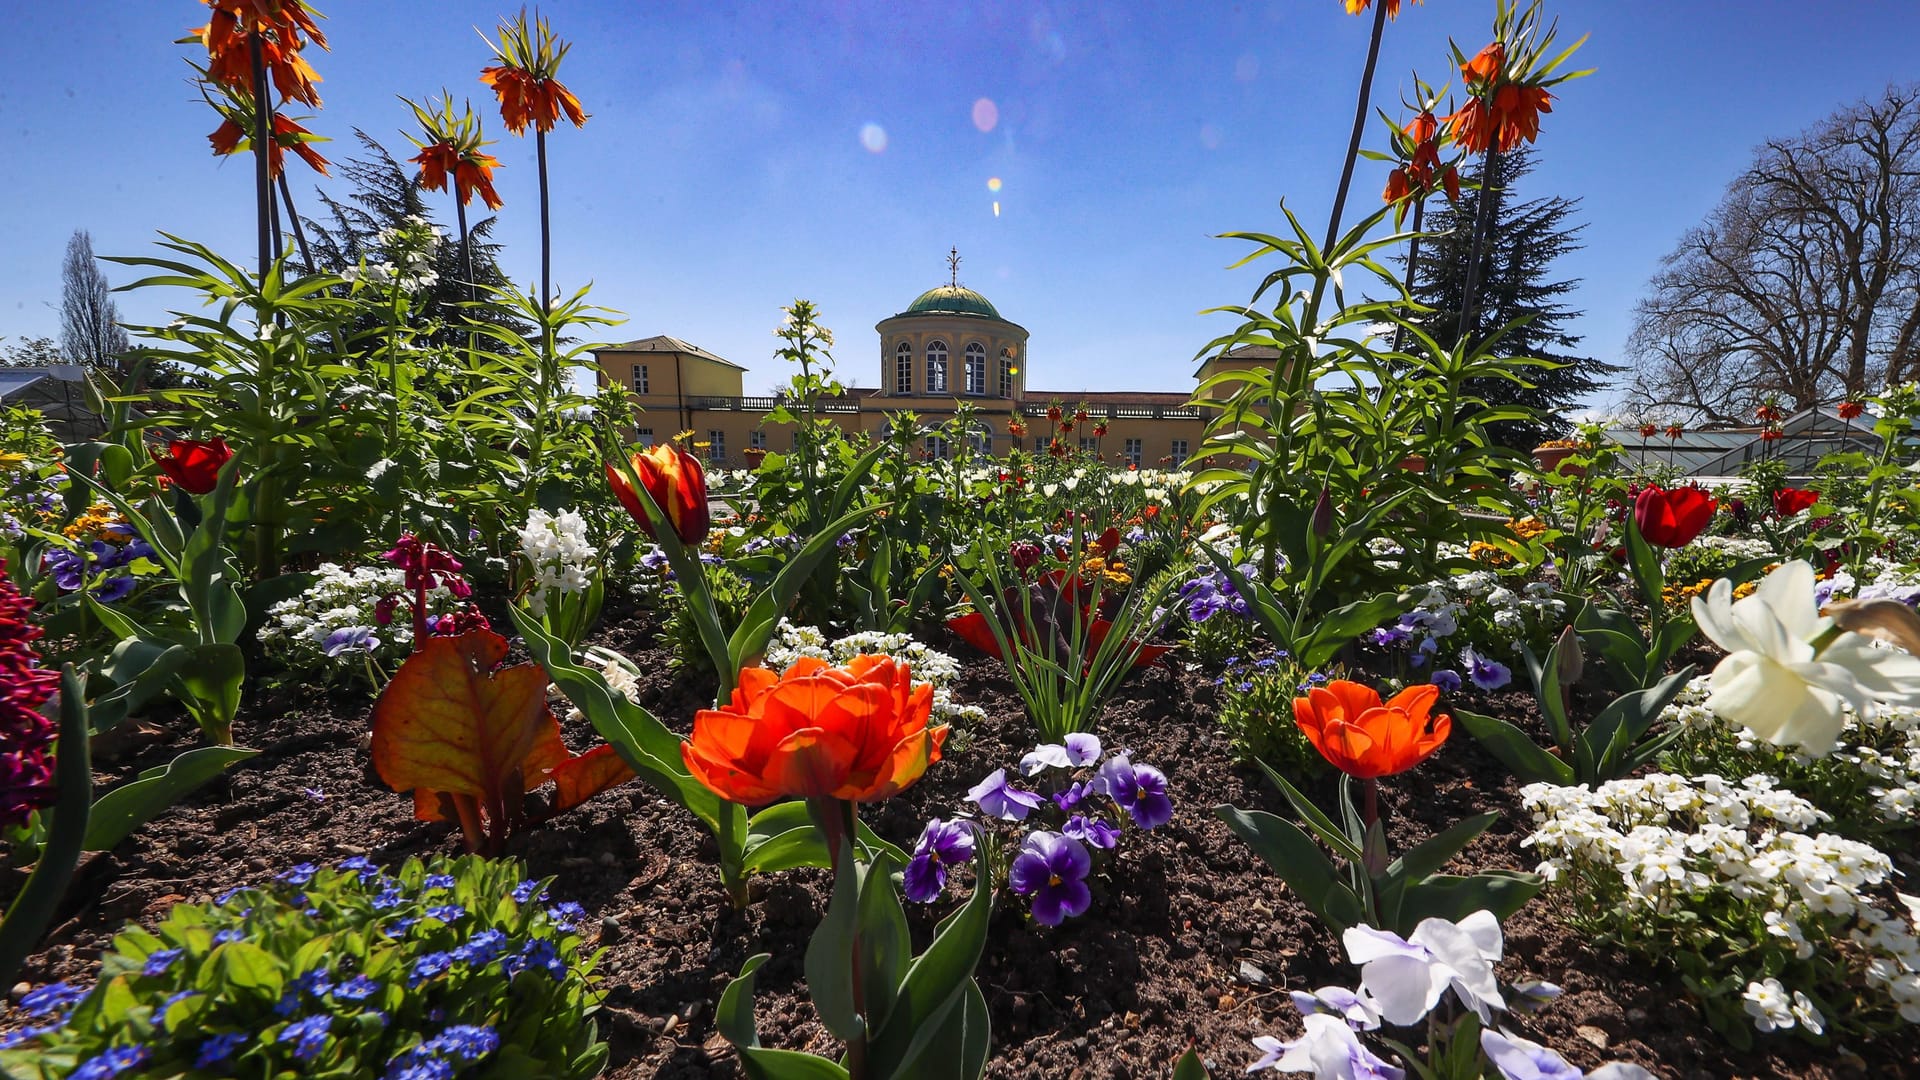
column 724, row 170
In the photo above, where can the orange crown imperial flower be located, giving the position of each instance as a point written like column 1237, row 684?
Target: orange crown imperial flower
column 1359, row 7
column 678, row 486
column 284, row 27
column 452, row 147
column 858, row 734
column 1365, row 738
column 525, row 79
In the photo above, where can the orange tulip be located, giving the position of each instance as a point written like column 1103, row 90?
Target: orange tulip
column 1364, row 738
column 817, row 732
column 678, row 486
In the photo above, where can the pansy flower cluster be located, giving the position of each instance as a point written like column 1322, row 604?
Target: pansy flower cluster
column 792, row 643
column 1478, row 609
column 1695, row 867
column 102, row 556
column 427, row 973
column 1086, row 802
column 333, row 626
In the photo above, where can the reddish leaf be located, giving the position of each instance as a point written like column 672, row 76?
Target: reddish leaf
column 581, row 778
column 974, row 630
column 450, row 723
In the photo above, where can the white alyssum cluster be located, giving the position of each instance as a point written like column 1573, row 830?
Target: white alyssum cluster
column 1735, row 854
column 557, row 548
column 296, row 630
column 929, row 665
column 1736, row 548
column 1883, row 746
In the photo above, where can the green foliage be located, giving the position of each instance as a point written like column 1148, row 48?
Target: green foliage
column 369, row 967
column 1256, row 708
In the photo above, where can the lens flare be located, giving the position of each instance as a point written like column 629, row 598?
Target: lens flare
column 993, row 183
column 996, row 208
column 873, row 137
column 986, row 115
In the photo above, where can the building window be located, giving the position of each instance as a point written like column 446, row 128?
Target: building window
column 1039, row 444
column 716, row 446
column 936, row 367
column 757, row 439
column 976, row 369
column 1006, row 376
column 1091, row 446
column 982, row 438
column 1133, row 452
column 644, row 435
column 937, row 447
column 903, row 369
column 640, row 379
column 1179, row 452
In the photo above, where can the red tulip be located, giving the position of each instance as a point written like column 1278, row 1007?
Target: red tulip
column 1790, row 501
column 678, row 486
column 1672, row 518
column 194, row 467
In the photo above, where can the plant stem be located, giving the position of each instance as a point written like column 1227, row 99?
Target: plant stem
column 262, row 154
column 1369, row 801
column 547, row 375
column 466, row 248
column 1413, row 260
column 1482, row 224
column 1359, row 127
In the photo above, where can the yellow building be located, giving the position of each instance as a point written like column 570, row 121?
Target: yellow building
column 950, row 345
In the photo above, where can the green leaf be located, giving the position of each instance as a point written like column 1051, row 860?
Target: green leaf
column 749, row 641
column 1434, row 852
column 1299, row 862
column 1508, row 743
column 1189, row 1067
column 734, row 1015
column 210, row 683
column 783, row 837
column 936, row 979
column 130, row 805
column 886, row 946
column 830, row 953
column 250, row 967
column 1445, row 896
column 1332, row 835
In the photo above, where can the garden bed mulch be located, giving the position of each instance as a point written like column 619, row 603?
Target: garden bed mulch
column 1191, row 940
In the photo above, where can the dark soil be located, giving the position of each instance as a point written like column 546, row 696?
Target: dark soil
column 1192, row 940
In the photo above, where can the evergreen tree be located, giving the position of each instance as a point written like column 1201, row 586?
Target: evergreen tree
column 1515, row 282
column 385, row 196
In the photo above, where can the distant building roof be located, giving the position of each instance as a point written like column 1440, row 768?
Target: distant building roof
column 15, row 379
column 952, row 300
column 1805, row 438
column 661, row 343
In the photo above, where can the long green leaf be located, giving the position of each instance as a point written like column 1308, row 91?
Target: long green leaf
column 938, row 977
column 132, row 804
column 1514, row 749
column 1299, row 862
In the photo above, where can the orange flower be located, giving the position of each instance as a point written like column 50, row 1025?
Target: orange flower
column 233, row 136
column 1364, row 738
column 1357, row 7
column 1851, row 409
column 284, row 27
column 1486, row 65
column 678, row 486
column 1512, row 117
column 525, row 78
column 1398, row 186
column 817, row 732
column 453, row 146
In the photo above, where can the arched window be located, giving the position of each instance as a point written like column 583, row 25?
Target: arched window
column 1007, row 371
column 976, row 369
column 903, row 369
column 936, row 367
column 981, row 436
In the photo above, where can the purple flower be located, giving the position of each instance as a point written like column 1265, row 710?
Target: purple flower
column 1053, row 870
column 308, row 1035
column 1447, row 679
column 941, row 844
column 1339, row 1001
column 1139, row 790
column 114, row 589
column 160, row 960
column 1077, row 749
column 51, row 997
column 447, row 913
column 996, row 798
column 1486, row 674
column 110, row 1063
column 1387, row 637
column 1093, row 832
column 220, row 1048
column 1523, row 1059
column 1071, row 796
column 1329, row 1048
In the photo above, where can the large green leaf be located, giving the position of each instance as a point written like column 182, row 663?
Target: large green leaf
column 936, row 981
column 830, row 960
column 749, row 640
column 133, row 803
column 1511, row 745
column 1299, row 862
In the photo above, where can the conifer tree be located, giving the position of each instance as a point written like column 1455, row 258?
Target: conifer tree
column 1515, row 282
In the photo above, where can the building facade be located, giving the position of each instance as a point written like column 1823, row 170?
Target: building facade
column 949, row 346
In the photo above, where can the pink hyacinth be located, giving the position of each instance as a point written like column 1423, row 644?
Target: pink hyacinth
column 26, row 736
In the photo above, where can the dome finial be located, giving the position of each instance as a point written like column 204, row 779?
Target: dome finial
column 953, row 266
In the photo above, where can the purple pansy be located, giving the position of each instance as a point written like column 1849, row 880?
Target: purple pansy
column 1486, row 673
column 941, row 844
column 1053, row 870
column 997, row 798
column 1447, row 679
column 1093, row 832
column 1140, row 790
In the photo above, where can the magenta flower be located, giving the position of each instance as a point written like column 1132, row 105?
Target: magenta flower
column 941, row 844
column 1053, row 870
column 26, row 737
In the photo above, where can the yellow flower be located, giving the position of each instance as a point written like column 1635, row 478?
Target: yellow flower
column 93, row 524
column 10, row 462
column 1527, row 528
column 1482, row 552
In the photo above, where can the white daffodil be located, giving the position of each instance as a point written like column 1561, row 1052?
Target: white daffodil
column 1788, row 669
column 1406, row 977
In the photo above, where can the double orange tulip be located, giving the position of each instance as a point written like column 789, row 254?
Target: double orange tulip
column 1366, row 738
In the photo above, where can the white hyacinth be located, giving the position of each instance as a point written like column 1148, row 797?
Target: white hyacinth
column 562, row 558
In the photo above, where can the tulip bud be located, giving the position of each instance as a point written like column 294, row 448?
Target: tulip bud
column 1323, row 513
column 1569, row 663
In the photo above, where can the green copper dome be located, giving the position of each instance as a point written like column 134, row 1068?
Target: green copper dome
column 952, row 300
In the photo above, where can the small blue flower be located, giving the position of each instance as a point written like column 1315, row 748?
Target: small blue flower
column 483, row 948
column 539, row 954
column 50, row 997
column 309, row 1035
column 160, row 960
column 228, row 895
column 288, row 1004
column 523, row 892
column 221, row 937
column 447, row 913
column 437, row 881
column 27, row 1034
column 358, row 988
column 316, row 983
column 389, row 897
column 401, row 926
column 220, row 1048
column 417, row 1064
column 566, row 914
column 110, row 1063
column 465, row 1043
column 430, row 966
column 298, row 875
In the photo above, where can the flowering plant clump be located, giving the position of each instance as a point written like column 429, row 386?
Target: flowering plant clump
column 1731, row 884
column 453, row 968
column 1256, row 709
column 26, row 737
column 1479, row 607
column 562, row 558
column 1868, row 784
column 334, row 627
column 105, row 556
column 1083, row 809
column 792, row 643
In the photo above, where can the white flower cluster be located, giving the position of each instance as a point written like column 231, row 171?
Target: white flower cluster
column 790, row 643
column 1886, row 580
column 1737, row 548
column 296, row 630
column 1663, row 845
column 406, row 256
column 557, row 548
column 1885, row 748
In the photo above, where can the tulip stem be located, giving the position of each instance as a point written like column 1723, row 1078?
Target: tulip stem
column 262, row 171
column 1369, row 801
